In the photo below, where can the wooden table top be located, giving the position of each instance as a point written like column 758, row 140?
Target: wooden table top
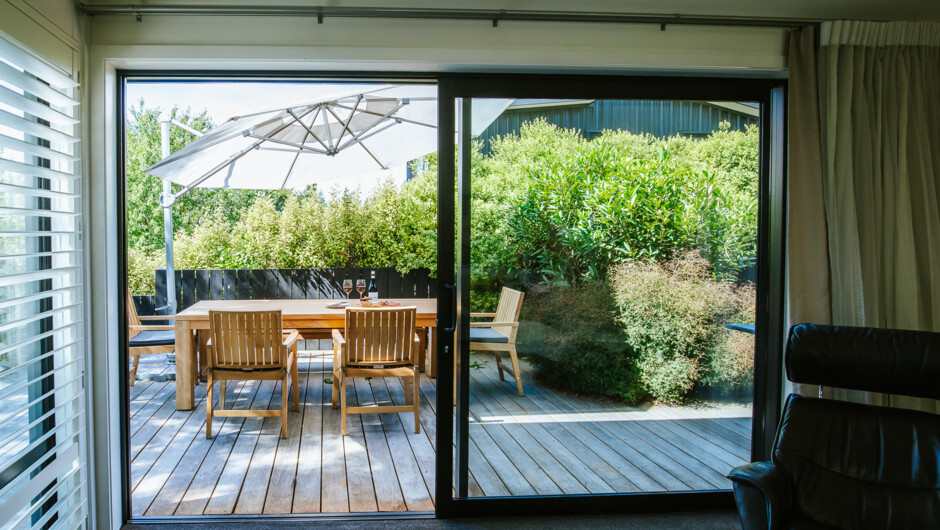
column 315, row 309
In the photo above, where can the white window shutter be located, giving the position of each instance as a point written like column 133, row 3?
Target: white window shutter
column 42, row 368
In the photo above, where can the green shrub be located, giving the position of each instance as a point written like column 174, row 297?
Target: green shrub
column 674, row 315
column 570, row 335
column 395, row 227
column 141, row 269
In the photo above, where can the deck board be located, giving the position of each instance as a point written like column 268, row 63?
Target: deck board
column 544, row 443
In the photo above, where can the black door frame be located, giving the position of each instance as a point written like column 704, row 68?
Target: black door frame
column 770, row 93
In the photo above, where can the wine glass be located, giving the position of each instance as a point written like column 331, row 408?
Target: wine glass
column 347, row 286
column 361, row 287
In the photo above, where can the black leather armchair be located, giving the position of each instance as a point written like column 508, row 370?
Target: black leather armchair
column 845, row 465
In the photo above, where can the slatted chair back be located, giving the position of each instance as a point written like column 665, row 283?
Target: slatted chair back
column 246, row 340
column 380, row 336
column 132, row 318
column 508, row 309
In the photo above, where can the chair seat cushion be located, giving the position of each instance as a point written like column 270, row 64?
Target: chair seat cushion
column 153, row 338
column 487, row 335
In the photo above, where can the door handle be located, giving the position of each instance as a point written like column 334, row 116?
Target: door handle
column 453, row 323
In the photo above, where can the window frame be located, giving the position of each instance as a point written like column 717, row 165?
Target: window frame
column 770, row 92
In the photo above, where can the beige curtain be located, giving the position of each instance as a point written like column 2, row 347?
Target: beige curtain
column 869, row 190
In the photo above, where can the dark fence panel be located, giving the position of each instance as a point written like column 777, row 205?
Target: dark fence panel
column 281, row 284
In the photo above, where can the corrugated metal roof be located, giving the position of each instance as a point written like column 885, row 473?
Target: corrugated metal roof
column 659, row 118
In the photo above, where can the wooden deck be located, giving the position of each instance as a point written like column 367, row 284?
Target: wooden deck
column 545, row 443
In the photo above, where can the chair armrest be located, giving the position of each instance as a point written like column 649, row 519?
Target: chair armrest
column 157, row 317
column 482, row 315
column 151, row 328
column 290, row 337
column 493, row 324
column 762, row 493
column 338, row 337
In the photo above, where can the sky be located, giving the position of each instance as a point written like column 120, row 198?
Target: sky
column 223, row 100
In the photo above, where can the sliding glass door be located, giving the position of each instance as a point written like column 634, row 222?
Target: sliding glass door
column 612, row 251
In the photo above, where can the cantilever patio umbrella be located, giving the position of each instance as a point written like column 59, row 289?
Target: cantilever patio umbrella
column 323, row 142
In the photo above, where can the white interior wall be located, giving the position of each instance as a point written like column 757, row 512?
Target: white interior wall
column 429, row 45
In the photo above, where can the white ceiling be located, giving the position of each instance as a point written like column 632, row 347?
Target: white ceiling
column 797, row 9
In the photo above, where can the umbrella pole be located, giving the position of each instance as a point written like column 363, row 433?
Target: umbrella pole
column 166, row 200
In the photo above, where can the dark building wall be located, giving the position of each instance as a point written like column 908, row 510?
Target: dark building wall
column 659, row 118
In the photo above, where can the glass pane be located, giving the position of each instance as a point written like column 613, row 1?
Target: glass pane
column 613, row 254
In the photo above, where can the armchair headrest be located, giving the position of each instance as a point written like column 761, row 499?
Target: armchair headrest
column 892, row 361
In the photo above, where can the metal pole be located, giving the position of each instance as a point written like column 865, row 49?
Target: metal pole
column 166, row 200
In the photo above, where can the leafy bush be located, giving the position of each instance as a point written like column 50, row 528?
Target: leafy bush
column 571, row 335
column 580, row 214
column 397, row 227
column 674, row 316
column 140, row 270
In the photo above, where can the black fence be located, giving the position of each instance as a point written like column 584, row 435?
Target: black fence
column 281, row 284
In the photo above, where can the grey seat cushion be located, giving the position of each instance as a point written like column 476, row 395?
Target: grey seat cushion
column 487, row 335
column 153, row 338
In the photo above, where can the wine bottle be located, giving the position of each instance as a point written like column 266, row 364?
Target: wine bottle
column 373, row 290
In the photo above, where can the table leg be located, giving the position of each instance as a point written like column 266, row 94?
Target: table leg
column 184, row 365
column 432, row 369
column 202, row 339
column 422, row 348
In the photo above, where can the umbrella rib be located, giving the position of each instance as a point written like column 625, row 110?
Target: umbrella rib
column 359, row 138
column 309, row 130
column 381, row 165
column 293, row 163
column 326, row 125
column 285, row 142
column 366, row 110
column 348, row 120
column 216, row 169
column 407, row 120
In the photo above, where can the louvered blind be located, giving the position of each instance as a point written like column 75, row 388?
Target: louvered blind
column 42, row 413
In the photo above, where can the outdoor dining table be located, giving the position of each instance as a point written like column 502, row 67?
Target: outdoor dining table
column 309, row 316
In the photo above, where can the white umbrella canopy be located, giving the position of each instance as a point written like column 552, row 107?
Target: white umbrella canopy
column 326, row 141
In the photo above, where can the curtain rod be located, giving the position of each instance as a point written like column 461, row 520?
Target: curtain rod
column 494, row 15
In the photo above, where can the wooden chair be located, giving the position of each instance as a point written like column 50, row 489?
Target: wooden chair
column 379, row 342
column 250, row 345
column 143, row 340
column 499, row 335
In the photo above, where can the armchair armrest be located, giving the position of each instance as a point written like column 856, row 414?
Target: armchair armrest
column 151, row 328
column 339, row 354
column 493, row 324
column 762, row 493
column 482, row 315
column 290, row 337
column 338, row 337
